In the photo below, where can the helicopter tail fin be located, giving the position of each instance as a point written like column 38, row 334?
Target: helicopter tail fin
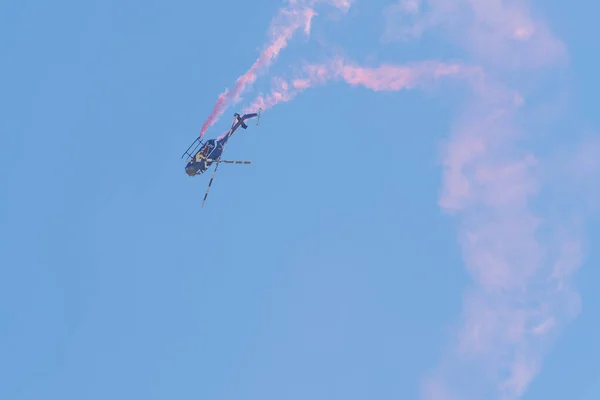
column 241, row 121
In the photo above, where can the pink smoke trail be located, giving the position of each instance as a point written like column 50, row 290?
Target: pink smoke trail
column 298, row 15
column 383, row 78
column 521, row 291
column 281, row 34
column 520, row 263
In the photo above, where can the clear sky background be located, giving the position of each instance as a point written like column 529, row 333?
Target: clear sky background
column 325, row 270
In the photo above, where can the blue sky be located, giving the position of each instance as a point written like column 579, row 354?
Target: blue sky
column 325, row 270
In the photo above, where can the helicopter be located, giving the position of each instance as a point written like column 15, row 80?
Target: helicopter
column 202, row 155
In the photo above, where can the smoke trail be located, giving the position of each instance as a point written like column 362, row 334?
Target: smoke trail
column 386, row 77
column 281, row 32
column 519, row 261
column 299, row 14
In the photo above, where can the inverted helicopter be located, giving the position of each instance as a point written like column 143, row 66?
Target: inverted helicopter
column 202, row 155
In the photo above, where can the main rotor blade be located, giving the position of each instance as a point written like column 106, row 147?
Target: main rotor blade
column 230, row 161
column 210, row 183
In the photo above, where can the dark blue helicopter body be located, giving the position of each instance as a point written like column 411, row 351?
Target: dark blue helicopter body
column 210, row 151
